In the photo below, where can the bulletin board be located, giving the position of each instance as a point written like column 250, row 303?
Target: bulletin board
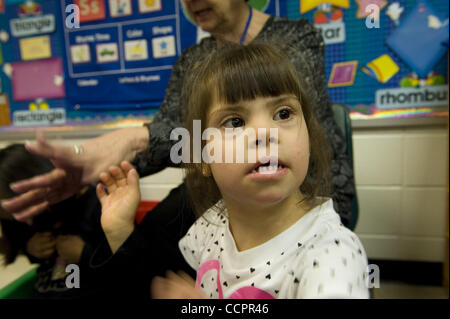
column 112, row 69
column 383, row 58
column 109, row 70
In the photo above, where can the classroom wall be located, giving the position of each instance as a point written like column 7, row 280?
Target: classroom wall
column 401, row 179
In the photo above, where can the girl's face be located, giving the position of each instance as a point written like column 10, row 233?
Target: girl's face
column 248, row 181
column 213, row 15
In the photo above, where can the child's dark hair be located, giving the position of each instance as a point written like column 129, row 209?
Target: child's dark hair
column 235, row 73
column 16, row 164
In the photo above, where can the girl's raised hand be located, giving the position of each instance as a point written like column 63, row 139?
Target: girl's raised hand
column 175, row 286
column 119, row 201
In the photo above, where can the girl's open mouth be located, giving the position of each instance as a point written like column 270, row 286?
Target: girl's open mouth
column 271, row 169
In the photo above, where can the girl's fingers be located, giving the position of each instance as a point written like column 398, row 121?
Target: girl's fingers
column 133, row 178
column 119, row 175
column 159, row 288
column 126, row 166
column 188, row 279
column 101, row 193
column 109, row 181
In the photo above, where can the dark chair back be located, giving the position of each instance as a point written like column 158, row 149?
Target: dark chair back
column 342, row 118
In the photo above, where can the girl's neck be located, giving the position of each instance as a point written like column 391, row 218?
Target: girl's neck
column 253, row 224
column 234, row 32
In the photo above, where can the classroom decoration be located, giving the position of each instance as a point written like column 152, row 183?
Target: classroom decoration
column 364, row 7
column 382, row 68
column 418, row 39
column 343, row 74
column 307, row 5
column 111, row 67
column 394, row 11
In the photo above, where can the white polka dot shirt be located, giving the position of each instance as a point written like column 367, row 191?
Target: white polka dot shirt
column 316, row 257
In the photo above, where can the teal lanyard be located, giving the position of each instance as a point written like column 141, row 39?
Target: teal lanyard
column 246, row 26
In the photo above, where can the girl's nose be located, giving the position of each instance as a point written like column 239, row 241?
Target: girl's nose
column 270, row 140
column 266, row 137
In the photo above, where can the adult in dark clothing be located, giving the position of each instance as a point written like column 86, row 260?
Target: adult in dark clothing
column 150, row 145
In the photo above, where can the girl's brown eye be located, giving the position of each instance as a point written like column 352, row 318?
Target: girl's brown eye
column 284, row 114
column 234, row 122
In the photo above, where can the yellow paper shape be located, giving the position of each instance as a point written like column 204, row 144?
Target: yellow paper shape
column 5, row 116
column 383, row 67
column 306, row 5
column 35, row 48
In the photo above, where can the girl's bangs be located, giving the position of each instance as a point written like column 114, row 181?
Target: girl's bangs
column 249, row 76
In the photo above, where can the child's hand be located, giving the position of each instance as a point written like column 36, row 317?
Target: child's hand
column 41, row 245
column 119, row 205
column 175, row 286
column 69, row 248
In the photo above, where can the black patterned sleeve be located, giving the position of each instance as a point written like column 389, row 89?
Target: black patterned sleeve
column 311, row 51
column 169, row 116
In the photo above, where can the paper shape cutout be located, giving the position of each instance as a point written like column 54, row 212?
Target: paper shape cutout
column 29, row 8
column 418, row 44
column 163, row 47
column 343, row 74
column 382, row 68
column 136, row 50
column 146, row 6
column 307, row 5
column 37, row 79
column 362, row 5
column 107, row 52
column 91, row 10
column 5, row 115
column 80, row 53
column 35, row 48
column 120, row 8
column 394, row 11
column 321, row 17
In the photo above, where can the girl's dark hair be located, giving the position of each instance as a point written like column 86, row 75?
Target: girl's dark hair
column 16, row 164
column 235, row 73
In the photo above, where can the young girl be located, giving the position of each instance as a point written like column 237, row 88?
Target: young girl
column 267, row 230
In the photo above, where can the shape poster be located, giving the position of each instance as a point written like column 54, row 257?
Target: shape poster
column 398, row 50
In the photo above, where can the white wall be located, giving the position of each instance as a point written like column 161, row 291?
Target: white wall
column 401, row 176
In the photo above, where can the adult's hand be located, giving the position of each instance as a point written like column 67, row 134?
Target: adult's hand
column 72, row 171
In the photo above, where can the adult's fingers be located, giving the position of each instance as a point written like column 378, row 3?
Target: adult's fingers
column 25, row 215
column 26, row 200
column 41, row 147
column 51, row 179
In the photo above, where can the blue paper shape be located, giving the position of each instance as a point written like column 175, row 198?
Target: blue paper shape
column 418, row 44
